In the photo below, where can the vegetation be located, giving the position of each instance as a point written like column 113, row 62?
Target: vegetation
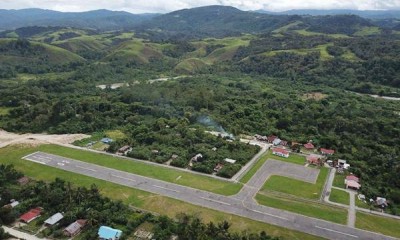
column 387, row 226
column 311, row 209
column 339, row 196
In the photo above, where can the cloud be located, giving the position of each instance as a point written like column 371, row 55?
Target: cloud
column 141, row 6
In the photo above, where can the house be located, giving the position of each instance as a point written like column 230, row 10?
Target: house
column 325, row 151
column 353, row 184
column 343, row 164
column 54, row 219
column 261, row 138
column 108, row 233
column 271, row 138
column 74, row 228
column 174, row 156
column 280, row 152
column 23, row 181
column 106, row 140
column 351, row 178
column 381, row 202
column 218, row 167
column 197, row 158
column 283, row 143
column 31, row 215
column 124, row 150
column 12, row 204
column 314, row 159
column 309, row 146
column 228, row 160
column 276, row 142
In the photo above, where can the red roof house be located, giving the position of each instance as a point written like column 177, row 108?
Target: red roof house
column 313, row 159
column 31, row 215
column 352, row 178
column 353, row 184
column 309, row 146
column 271, row 138
column 280, row 152
column 327, row 151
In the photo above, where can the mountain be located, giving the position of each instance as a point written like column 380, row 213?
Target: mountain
column 373, row 14
column 98, row 19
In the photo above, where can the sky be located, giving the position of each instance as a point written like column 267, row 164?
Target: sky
column 163, row 6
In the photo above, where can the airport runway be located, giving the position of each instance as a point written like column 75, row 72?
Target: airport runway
column 238, row 204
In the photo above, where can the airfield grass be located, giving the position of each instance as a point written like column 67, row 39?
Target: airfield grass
column 338, row 181
column 295, row 187
column 384, row 225
column 339, row 196
column 310, row 209
column 138, row 198
column 166, row 174
column 293, row 158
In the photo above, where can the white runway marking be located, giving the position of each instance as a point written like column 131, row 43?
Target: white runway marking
column 165, row 188
column 36, row 161
column 86, row 168
column 331, row 230
column 212, row 200
column 128, row 179
column 272, row 215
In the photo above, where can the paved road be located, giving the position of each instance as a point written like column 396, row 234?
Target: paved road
column 351, row 217
column 232, row 204
column 21, row 235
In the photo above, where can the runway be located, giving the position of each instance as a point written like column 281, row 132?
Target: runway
column 240, row 204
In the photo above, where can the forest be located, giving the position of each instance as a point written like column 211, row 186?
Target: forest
column 298, row 80
column 89, row 204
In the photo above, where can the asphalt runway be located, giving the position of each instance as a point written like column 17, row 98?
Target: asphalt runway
column 238, row 204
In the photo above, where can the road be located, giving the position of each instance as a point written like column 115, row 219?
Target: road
column 21, row 235
column 236, row 204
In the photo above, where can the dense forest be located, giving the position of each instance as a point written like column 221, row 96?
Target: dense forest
column 89, row 204
column 298, row 79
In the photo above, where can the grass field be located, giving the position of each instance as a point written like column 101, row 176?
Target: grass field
column 141, row 199
column 4, row 111
column 387, row 226
column 293, row 158
column 140, row 168
column 339, row 196
column 296, row 187
column 311, row 209
column 338, row 181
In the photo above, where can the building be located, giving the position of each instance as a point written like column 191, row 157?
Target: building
column 351, row 178
column 124, row 150
column 271, row 138
column 276, row 142
column 12, row 204
column 218, row 167
column 353, row 184
column 325, row 151
column 108, row 233
column 280, row 152
column 228, row 160
column 343, row 164
column 283, row 143
column 314, row 159
column 309, row 146
column 23, row 181
column 54, row 219
column 106, row 140
column 197, row 158
column 74, row 228
column 31, row 215
column 381, row 202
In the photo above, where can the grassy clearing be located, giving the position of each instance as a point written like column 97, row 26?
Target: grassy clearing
column 315, row 210
column 387, row 226
column 339, row 196
column 4, row 111
column 115, row 134
column 362, row 204
column 141, row 199
column 317, row 96
column 321, row 49
column 143, row 169
column 338, row 181
column 366, row 31
column 296, row 187
column 304, row 32
column 287, row 27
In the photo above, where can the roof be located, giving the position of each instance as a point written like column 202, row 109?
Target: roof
column 106, row 140
column 124, row 148
column 229, row 160
column 280, row 150
column 352, row 178
column 54, row 219
column 327, row 151
column 284, row 143
column 75, row 227
column 313, row 158
column 109, row 233
column 271, row 138
column 353, row 184
column 32, row 214
column 309, row 146
column 276, row 141
column 14, row 204
column 24, row 180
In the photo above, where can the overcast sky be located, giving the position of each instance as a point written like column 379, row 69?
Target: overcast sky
column 162, row 6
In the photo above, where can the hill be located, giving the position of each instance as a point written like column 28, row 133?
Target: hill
column 373, row 14
column 100, row 19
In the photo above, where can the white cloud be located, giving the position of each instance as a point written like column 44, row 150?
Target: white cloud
column 141, row 6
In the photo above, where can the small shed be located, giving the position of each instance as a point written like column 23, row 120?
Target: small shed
column 228, row 160
column 74, row 228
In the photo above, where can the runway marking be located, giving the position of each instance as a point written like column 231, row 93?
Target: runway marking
column 166, row 188
column 268, row 214
column 123, row 178
column 27, row 156
column 331, row 230
column 86, row 168
column 36, row 161
column 212, row 200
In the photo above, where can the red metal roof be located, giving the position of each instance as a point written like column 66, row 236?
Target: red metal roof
column 313, row 159
column 353, row 184
column 352, row 178
column 280, row 150
column 32, row 214
column 271, row 138
column 327, row 151
column 309, row 146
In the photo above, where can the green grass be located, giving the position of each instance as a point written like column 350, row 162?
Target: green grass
column 338, row 181
column 287, row 27
column 311, row 209
column 4, row 111
column 191, row 65
column 362, row 204
column 115, row 134
column 321, row 49
column 304, row 32
column 339, row 196
column 295, row 187
column 293, row 158
column 366, row 31
column 143, row 169
column 387, row 226
column 141, row 199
